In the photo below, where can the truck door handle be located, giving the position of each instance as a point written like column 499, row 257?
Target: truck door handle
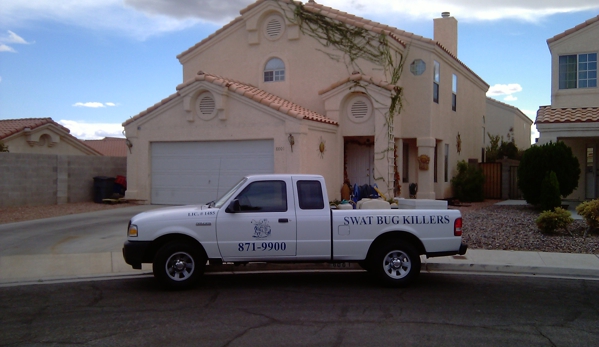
column 283, row 220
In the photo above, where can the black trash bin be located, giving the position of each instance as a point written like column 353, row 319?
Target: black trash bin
column 103, row 188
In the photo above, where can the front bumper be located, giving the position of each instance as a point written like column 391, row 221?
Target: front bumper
column 133, row 252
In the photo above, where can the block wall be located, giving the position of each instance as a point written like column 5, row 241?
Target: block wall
column 40, row 179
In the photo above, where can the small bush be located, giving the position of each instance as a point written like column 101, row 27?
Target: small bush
column 468, row 183
column 589, row 210
column 550, row 195
column 550, row 221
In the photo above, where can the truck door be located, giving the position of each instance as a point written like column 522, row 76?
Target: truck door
column 262, row 225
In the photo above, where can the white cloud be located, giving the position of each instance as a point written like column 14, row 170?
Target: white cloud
column 92, row 131
column 145, row 18
column 5, row 48
column 530, row 10
column 510, row 98
column 94, row 104
column 505, row 89
column 11, row 38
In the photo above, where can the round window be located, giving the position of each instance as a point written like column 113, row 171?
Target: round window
column 359, row 109
column 205, row 106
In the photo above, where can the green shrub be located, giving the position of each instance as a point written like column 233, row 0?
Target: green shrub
column 550, row 195
column 589, row 210
column 537, row 161
column 468, row 183
column 550, row 221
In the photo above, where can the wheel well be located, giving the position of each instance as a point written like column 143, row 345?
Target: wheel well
column 163, row 240
column 406, row 237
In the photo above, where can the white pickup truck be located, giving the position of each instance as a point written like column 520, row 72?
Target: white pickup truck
column 287, row 218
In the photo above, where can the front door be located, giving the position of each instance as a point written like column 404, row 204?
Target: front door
column 264, row 227
column 359, row 158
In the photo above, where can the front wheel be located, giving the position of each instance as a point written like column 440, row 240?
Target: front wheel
column 396, row 264
column 178, row 265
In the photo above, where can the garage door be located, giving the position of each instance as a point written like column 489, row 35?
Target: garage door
column 199, row 172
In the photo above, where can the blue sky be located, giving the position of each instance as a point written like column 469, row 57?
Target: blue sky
column 92, row 64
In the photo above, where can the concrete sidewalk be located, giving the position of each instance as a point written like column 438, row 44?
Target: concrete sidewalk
column 31, row 269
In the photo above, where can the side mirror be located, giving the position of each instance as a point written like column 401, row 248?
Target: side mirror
column 233, row 207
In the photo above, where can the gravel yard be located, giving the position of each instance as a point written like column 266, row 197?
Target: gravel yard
column 486, row 226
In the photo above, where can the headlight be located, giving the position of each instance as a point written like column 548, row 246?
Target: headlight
column 132, row 230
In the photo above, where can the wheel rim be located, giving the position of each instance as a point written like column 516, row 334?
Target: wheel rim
column 397, row 264
column 179, row 266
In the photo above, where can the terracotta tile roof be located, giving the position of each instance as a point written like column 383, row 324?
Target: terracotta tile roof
column 109, row 146
column 9, row 127
column 546, row 114
column 356, row 76
column 573, row 30
column 248, row 91
column 401, row 36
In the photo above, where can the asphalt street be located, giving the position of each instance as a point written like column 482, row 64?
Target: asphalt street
column 304, row 309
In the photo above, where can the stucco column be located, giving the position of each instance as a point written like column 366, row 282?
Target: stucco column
column 426, row 184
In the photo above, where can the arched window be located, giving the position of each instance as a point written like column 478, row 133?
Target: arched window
column 274, row 70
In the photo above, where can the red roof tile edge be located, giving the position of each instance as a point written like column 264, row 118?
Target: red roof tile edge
column 10, row 127
column 248, row 91
column 546, row 115
column 573, row 30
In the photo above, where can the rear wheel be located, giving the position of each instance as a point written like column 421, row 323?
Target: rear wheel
column 178, row 265
column 395, row 264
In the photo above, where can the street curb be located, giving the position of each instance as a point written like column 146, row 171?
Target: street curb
column 495, row 269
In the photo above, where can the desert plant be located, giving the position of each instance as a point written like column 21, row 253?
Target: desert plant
column 468, row 183
column 589, row 210
column 499, row 149
column 550, row 194
column 3, row 148
column 550, row 221
column 537, row 161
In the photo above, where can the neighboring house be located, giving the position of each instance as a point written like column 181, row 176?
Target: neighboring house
column 508, row 122
column 41, row 136
column 109, row 146
column 573, row 116
column 262, row 95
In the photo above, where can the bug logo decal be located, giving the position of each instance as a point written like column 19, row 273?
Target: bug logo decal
column 261, row 229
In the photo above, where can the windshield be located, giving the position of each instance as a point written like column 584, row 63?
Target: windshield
column 220, row 202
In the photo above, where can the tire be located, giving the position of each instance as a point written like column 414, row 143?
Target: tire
column 178, row 265
column 395, row 264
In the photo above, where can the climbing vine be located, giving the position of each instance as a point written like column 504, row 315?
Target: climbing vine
column 356, row 43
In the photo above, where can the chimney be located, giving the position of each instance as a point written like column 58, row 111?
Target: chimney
column 446, row 32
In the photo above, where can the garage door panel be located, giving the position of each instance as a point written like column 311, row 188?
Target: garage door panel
column 199, row 172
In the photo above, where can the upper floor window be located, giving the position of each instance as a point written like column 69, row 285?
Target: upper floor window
column 578, row 71
column 274, row 70
column 454, row 92
column 436, row 80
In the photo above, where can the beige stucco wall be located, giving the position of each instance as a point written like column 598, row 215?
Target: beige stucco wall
column 507, row 121
column 582, row 41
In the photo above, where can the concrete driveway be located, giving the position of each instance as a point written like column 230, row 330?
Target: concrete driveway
column 75, row 245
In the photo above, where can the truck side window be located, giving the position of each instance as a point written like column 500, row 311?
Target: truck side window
column 264, row 196
column 310, row 195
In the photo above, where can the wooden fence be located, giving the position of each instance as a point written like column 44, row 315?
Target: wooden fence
column 492, row 185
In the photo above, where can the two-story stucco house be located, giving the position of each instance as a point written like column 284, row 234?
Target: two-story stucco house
column 573, row 116
column 271, row 92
